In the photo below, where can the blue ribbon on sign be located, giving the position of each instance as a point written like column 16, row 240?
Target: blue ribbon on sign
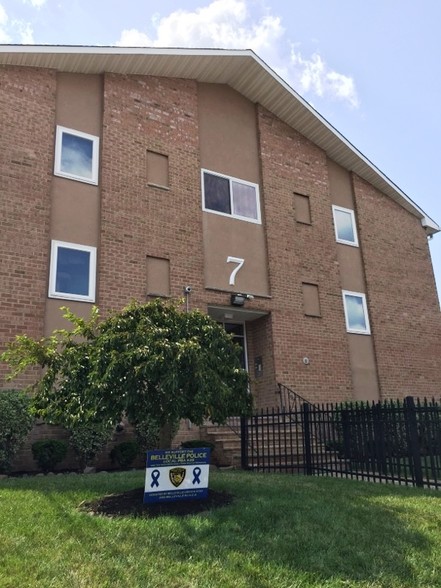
column 196, row 474
column 155, row 478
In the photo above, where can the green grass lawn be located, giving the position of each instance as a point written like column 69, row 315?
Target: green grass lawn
column 281, row 531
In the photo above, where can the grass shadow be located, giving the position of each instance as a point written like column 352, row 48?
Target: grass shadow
column 326, row 529
column 281, row 530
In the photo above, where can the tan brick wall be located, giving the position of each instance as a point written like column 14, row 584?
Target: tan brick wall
column 299, row 252
column 401, row 295
column 27, row 103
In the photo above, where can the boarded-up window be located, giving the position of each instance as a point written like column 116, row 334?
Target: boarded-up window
column 158, row 276
column 157, row 169
column 302, row 209
column 311, row 300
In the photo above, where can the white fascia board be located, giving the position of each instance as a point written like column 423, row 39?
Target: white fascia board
column 117, row 50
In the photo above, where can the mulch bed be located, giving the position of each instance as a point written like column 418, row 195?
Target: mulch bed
column 130, row 503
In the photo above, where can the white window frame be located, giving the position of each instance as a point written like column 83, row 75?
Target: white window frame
column 349, row 329
column 53, row 293
column 335, row 209
column 232, row 179
column 58, row 152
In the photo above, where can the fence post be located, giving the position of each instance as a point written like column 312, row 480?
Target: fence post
column 378, row 455
column 346, row 434
column 244, row 443
column 307, row 455
column 414, row 450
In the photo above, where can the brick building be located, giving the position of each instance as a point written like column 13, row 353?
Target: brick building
column 135, row 173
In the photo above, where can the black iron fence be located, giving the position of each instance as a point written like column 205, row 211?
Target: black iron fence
column 394, row 441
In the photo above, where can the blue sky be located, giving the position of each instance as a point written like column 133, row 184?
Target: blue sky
column 370, row 68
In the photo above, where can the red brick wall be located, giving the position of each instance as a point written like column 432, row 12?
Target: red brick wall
column 299, row 252
column 27, row 104
column 187, row 432
column 401, row 295
column 24, row 461
column 264, row 387
column 142, row 113
column 158, row 114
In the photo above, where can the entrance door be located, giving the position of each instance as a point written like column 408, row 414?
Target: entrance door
column 237, row 330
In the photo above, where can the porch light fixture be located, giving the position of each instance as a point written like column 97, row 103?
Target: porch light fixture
column 239, row 299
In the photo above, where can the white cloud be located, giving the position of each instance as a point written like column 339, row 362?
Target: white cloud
column 3, row 16
column 228, row 24
column 223, row 23
column 24, row 31
column 14, row 31
column 4, row 37
column 134, row 38
column 314, row 76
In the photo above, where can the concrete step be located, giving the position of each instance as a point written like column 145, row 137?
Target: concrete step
column 227, row 457
column 227, row 452
column 227, row 445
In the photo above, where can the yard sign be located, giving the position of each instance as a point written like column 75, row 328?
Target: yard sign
column 177, row 474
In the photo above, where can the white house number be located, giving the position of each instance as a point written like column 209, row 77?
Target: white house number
column 233, row 274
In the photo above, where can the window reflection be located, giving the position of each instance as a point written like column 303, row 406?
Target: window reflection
column 73, row 267
column 76, row 155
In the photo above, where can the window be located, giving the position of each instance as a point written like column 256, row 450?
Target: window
column 230, row 197
column 344, row 224
column 76, row 155
column 357, row 320
column 72, row 271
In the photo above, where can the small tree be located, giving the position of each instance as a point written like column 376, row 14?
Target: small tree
column 48, row 453
column 88, row 438
column 147, row 362
column 125, row 453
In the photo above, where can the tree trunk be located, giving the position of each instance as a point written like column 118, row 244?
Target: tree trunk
column 166, row 436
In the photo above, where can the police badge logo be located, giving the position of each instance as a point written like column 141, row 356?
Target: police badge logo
column 176, row 476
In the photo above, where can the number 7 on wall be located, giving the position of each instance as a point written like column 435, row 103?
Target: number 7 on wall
column 233, row 274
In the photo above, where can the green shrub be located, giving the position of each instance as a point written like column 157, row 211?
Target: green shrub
column 195, row 443
column 48, row 452
column 366, row 431
column 124, row 453
column 88, row 439
column 15, row 423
